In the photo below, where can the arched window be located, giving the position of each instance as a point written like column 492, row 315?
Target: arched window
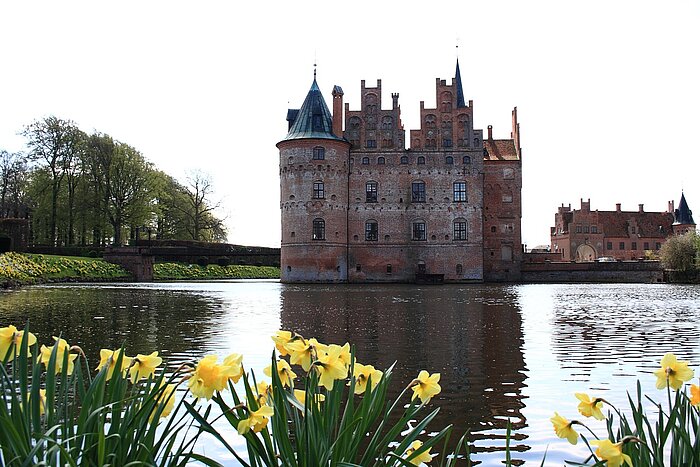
column 418, row 231
column 319, row 230
column 319, row 190
column 404, row 159
column 430, row 121
column 365, row 161
column 421, row 160
column 418, row 192
column 459, row 191
column 466, row 160
column 371, row 192
column 459, row 230
column 387, row 122
column 381, row 160
column 319, row 153
column 371, row 231
column 449, row 160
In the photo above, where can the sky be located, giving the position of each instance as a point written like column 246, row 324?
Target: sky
column 608, row 92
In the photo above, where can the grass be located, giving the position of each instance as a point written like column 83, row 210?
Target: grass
column 183, row 271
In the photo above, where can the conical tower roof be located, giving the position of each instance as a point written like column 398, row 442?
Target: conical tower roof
column 684, row 216
column 460, row 92
column 313, row 120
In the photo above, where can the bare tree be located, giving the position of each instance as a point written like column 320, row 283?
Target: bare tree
column 13, row 179
column 198, row 210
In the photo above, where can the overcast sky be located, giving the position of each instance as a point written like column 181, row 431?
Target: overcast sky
column 608, row 92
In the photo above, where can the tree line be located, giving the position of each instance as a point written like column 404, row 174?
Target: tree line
column 90, row 189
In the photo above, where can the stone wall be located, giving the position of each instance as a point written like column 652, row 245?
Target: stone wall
column 623, row 271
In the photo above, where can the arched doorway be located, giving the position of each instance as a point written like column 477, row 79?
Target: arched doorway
column 585, row 253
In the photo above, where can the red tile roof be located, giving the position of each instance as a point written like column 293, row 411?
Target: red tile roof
column 500, row 149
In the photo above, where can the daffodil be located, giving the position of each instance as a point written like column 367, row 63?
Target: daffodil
column 284, row 371
column 303, row 352
column 282, row 338
column 424, row 456
column 10, row 336
column 301, row 396
column 143, row 366
column 611, row 453
column 42, row 401
column 330, row 367
column 166, row 397
column 256, row 421
column 426, row 386
column 209, row 376
column 235, row 361
column 563, row 428
column 695, row 395
column 62, row 348
column 590, row 407
column 362, row 374
column 108, row 358
column 673, row 372
column 264, row 390
column 343, row 352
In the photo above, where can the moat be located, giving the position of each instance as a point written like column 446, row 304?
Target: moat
column 513, row 353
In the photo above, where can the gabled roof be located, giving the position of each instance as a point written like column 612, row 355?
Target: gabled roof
column 683, row 215
column 313, row 120
column 500, row 150
column 460, row 92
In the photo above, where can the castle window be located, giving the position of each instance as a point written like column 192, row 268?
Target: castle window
column 371, row 192
column 493, row 229
column 371, row 231
column 371, row 143
column 594, row 229
column 381, row 160
column 387, row 122
column 459, row 191
column 421, row 160
column 459, row 269
column 404, row 159
column 578, row 229
column 646, row 245
column 418, row 231
column 446, row 143
column 418, row 192
column 460, row 229
column 354, row 123
column 358, row 267
column 476, row 142
column 365, row 161
column 608, row 246
column 634, row 245
column 622, row 245
column 466, row 160
column 319, row 191
column 585, row 229
column 430, row 121
column 388, row 268
column 449, row 160
column 507, row 198
column 319, row 153
column 319, row 230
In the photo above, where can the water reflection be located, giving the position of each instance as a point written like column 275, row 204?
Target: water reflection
column 471, row 335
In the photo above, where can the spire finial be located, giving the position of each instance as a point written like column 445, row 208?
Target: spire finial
column 315, row 60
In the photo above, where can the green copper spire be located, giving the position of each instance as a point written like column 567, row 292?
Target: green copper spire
column 313, row 120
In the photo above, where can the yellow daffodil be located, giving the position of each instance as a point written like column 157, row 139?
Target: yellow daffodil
column 590, row 407
column 673, row 372
column 330, row 367
column 282, row 338
column 10, row 336
column 143, row 366
column 256, row 421
column 343, row 352
column 235, row 361
column 426, row 386
column 209, row 376
column 563, row 428
column 166, row 396
column 62, row 348
column 362, row 375
column 284, row 371
column 424, row 456
column 611, row 453
column 303, row 352
column 264, row 390
column 695, row 395
column 108, row 358
column 301, row 396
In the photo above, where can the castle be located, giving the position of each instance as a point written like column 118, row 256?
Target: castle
column 357, row 206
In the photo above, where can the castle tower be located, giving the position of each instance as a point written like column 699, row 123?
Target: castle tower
column 683, row 218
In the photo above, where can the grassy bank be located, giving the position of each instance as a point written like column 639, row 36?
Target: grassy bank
column 21, row 269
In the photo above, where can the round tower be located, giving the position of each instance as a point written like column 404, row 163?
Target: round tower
column 314, row 193
column 683, row 218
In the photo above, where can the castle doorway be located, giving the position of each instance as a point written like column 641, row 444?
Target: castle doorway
column 585, row 253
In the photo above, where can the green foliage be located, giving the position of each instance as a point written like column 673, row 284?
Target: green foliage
column 681, row 253
column 36, row 268
column 182, row 271
column 56, row 417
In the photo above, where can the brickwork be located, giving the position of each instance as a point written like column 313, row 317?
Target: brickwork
column 392, row 213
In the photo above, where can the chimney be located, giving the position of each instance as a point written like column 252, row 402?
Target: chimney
column 394, row 100
column 338, row 111
column 671, row 206
column 618, row 207
column 515, row 132
column 490, row 133
column 641, row 208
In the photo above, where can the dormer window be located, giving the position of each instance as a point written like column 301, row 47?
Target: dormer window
column 317, row 123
